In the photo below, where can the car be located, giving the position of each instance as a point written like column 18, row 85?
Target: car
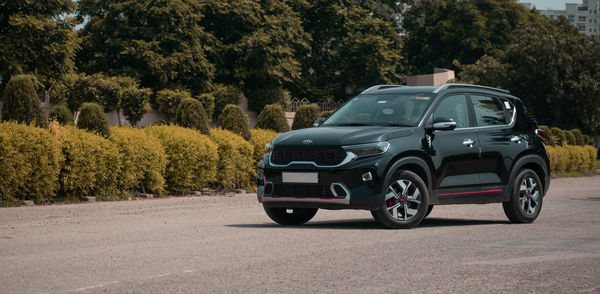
column 398, row 151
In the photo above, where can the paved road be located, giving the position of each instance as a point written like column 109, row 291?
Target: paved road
column 228, row 245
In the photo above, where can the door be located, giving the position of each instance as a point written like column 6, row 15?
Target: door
column 455, row 153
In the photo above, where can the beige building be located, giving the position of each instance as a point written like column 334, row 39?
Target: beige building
column 439, row 77
column 585, row 16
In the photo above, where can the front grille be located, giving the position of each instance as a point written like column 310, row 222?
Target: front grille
column 319, row 155
column 301, row 190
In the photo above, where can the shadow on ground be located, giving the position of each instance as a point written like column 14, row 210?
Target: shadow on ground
column 369, row 224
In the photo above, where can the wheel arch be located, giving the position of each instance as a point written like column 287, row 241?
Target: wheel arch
column 412, row 161
column 535, row 163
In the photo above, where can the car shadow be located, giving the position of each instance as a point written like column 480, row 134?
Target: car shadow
column 370, row 224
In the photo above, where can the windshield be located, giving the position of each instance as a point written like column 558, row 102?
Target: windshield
column 384, row 110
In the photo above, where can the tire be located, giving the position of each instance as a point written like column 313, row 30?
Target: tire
column 296, row 216
column 405, row 202
column 526, row 199
column 429, row 210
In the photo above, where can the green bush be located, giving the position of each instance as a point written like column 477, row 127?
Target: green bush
column 21, row 102
column 224, row 95
column 306, row 115
column 326, row 113
column 168, row 101
column 232, row 118
column 571, row 140
column 143, row 160
column 579, row 139
column 572, row 160
column 30, row 160
column 558, row 136
column 96, row 88
column 258, row 99
column 93, row 119
column 208, row 101
column 58, row 94
column 91, row 166
column 260, row 138
column 135, row 103
column 236, row 170
column 588, row 140
column 192, row 157
column 190, row 114
column 61, row 114
column 273, row 118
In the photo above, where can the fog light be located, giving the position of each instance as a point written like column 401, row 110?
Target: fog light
column 367, row 177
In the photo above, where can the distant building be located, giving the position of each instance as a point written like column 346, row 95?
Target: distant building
column 439, row 77
column 585, row 17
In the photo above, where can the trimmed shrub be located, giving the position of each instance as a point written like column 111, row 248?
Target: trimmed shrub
column 588, row 140
column 272, row 118
column 30, row 164
column 61, row 114
column 143, row 160
column 236, row 170
column 58, row 94
column 234, row 119
column 572, row 160
column 258, row 99
column 96, row 88
column 591, row 154
column 571, row 140
column 21, row 102
column 91, row 166
column 306, row 115
column 192, row 157
column 208, row 101
column 326, row 113
column 190, row 114
column 224, row 95
column 579, row 139
column 93, row 119
column 558, row 136
column 135, row 103
column 260, row 138
column 168, row 101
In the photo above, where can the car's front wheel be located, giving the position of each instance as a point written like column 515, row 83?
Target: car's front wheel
column 290, row 216
column 526, row 201
column 405, row 203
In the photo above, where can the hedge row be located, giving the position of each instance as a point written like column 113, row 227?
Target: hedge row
column 40, row 164
column 556, row 136
column 572, row 160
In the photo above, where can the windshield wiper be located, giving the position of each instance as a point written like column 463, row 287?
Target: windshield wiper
column 395, row 125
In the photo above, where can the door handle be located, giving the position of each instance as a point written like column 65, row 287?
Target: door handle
column 516, row 139
column 468, row 142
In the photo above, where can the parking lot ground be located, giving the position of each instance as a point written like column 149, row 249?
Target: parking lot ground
column 229, row 245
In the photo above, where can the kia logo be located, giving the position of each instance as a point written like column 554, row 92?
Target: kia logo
column 307, row 141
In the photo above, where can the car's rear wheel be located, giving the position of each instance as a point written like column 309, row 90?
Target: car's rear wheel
column 526, row 200
column 405, row 203
column 290, row 216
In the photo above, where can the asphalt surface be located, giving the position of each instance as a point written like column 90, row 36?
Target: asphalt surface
column 228, row 245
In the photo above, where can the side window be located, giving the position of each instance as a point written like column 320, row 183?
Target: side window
column 454, row 107
column 488, row 111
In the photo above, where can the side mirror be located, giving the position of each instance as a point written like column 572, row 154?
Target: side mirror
column 319, row 121
column 444, row 124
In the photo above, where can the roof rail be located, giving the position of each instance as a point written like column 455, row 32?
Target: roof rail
column 380, row 87
column 449, row 86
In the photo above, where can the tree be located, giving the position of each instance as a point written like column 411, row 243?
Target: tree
column 442, row 33
column 353, row 46
column 61, row 114
column 135, row 103
column 256, row 44
column 168, row 101
column 191, row 114
column 272, row 118
column 21, row 102
column 234, row 119
column 35, row 37
column 160, row 43
column 553, row 68
column 92, row 118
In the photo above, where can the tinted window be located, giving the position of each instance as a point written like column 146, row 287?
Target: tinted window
column 488, row 111
column 453, row 107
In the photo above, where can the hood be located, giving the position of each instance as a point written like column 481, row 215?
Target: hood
column 340, row 135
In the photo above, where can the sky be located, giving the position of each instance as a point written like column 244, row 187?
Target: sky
column 551, row 4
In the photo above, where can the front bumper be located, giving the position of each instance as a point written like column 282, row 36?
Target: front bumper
column 340, row 187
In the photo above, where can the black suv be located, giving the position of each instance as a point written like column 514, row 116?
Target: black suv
column 398, row 151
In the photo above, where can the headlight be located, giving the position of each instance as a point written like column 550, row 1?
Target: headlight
column 268, row 148
column 368, row 149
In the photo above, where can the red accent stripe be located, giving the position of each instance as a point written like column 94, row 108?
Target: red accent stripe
column 323, row 198
column 471, row 193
